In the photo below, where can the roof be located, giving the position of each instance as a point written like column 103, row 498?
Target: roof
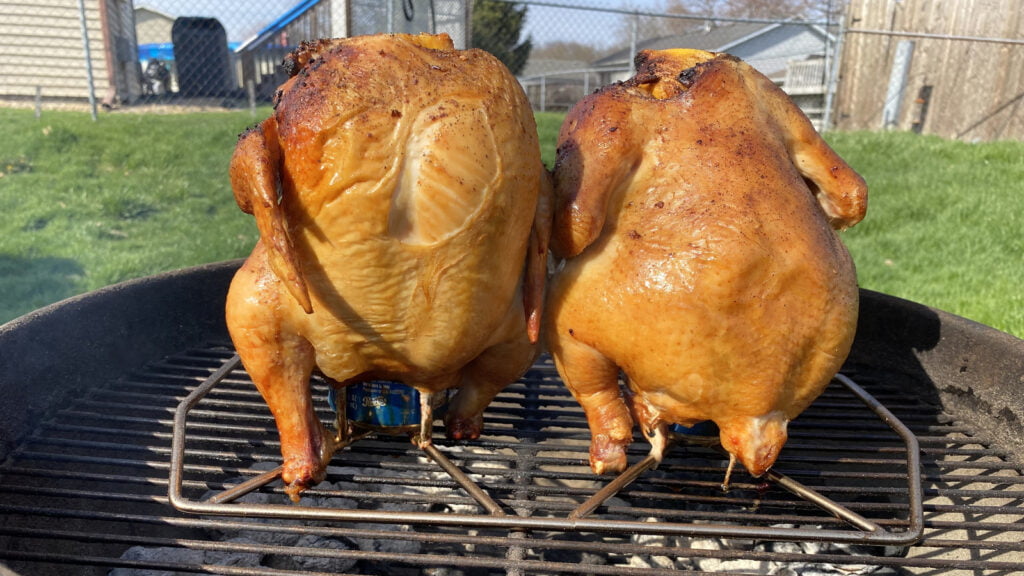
column 279, row 24
column 713, row 38
column 720, row 38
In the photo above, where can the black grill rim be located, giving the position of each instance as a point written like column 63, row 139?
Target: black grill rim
column 116, row 329
column 973, row 372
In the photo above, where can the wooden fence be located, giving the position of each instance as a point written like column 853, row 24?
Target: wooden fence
column 953, row 68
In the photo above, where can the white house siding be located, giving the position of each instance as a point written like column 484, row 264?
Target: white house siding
column 767, row 47
column 41, row 48
column 152, row 27
column 772, row 51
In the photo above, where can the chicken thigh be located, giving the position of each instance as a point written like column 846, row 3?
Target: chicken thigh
column 396, row 189
column 695, row 205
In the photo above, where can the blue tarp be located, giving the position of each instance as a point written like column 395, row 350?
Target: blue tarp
column 165, row 51
column 161, row 51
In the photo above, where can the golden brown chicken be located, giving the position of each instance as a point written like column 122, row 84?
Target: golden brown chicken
column 395, row 189
column 694, row 203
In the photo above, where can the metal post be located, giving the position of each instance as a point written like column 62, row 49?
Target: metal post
column 88, row 57
column 633, row 32
column 897, row 84
column 833, row 77
column 250, row 88
column 543, row 93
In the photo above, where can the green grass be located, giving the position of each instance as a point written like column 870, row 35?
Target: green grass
column 89, row 204
column 944, row 223
column 548, row 124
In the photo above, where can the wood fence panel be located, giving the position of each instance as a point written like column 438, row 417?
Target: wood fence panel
column 972, row 89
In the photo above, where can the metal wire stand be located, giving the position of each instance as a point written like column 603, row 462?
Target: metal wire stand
column 580, row 519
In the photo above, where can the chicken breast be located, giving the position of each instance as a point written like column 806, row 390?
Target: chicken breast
column 695, row 205
column 396, row 189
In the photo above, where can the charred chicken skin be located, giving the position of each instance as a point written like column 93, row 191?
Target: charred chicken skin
column 395, row 188
column 696, row 207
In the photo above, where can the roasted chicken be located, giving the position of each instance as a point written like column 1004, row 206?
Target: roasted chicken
column 396, row 189
column 695, row 205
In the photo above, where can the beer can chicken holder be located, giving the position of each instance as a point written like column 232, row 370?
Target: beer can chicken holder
column 228, row 502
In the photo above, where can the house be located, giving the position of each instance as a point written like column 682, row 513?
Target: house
column 260, row 56
column 768, row 47
column 152, row 26
column 101, row 50
column 46, row 57
column 794, row 56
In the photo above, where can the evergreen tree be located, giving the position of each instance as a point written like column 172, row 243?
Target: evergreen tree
column 496, row 27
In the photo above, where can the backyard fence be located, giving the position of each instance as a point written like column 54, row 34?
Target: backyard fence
column 954, row 69
column 864, row 69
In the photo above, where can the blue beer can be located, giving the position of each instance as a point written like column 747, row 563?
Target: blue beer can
column 705, row 428
column 383, row 406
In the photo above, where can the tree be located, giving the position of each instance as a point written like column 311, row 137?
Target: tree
column 496, row 27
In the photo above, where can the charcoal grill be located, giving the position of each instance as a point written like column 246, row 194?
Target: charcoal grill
column 91, row 388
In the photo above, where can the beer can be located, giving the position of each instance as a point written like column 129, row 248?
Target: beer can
column 384, row 406
column 705, row 428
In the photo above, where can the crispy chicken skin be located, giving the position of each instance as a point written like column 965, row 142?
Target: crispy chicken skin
column 396, row 190
column 695, row 205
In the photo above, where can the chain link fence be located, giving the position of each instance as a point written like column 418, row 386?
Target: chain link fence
column 228, row 53
column 221, row 53
column 578, row 49
column 203, row 52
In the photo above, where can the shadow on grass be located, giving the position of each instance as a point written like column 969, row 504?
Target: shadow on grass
column 30, row 283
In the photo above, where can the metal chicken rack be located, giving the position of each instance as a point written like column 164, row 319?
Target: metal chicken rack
column 867, row 531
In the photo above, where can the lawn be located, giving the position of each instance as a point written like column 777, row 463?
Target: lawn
column 944, row 223
column 87, row 204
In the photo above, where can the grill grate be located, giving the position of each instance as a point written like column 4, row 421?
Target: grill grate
column 92, row 482
column 576, row 519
